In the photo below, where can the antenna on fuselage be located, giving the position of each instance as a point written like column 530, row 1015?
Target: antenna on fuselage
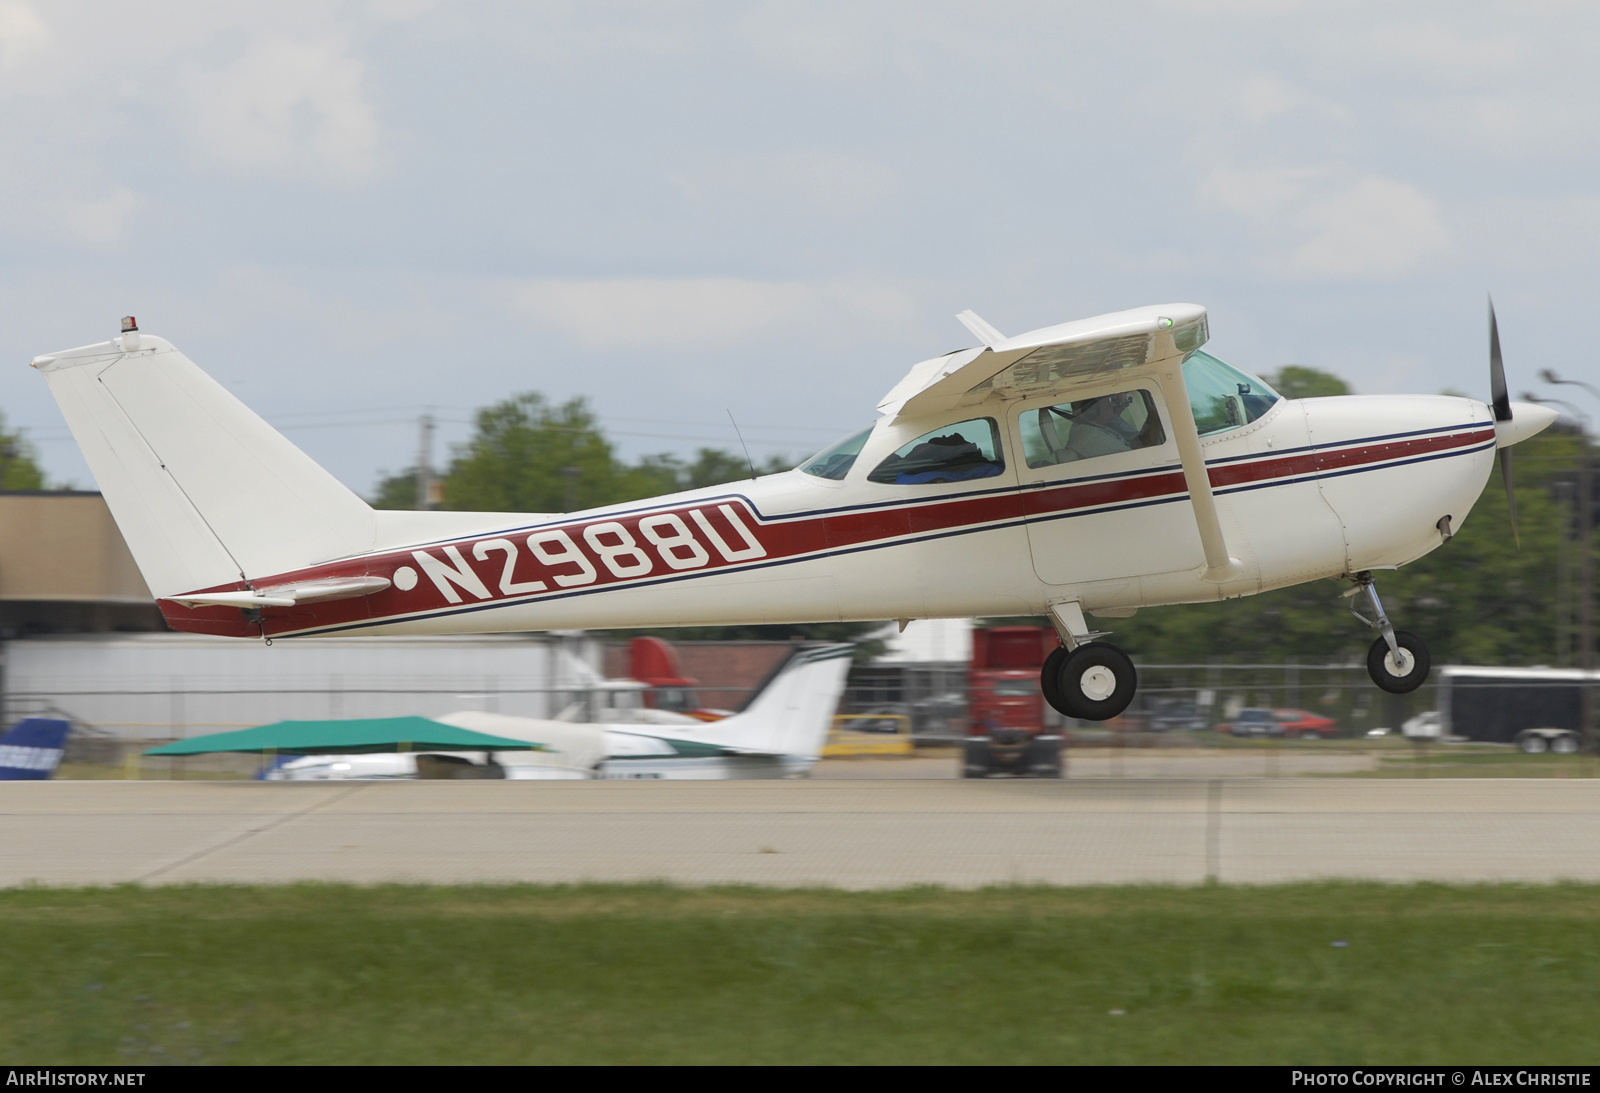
column 742, row 444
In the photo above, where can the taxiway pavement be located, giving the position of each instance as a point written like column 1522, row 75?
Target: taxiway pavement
column 847, row 832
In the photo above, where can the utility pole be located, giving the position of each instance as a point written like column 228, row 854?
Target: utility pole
column 569, row 487
column 427, row 491
column 1585, row 554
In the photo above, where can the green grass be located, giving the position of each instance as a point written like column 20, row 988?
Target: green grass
column 655, row 974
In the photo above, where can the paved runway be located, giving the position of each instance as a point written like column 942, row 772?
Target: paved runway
column 851, row 833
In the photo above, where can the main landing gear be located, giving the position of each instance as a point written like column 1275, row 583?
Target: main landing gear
column 1086, row 679
column 1398, row 662
column 1094, row 682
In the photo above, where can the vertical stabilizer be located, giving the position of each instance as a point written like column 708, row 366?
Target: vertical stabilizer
column 203, row 490
column 793, row 713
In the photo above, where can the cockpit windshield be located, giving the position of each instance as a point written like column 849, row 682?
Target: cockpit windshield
column 835, row 461
column 1222, row 396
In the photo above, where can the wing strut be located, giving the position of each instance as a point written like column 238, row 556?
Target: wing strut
column 1220, row 565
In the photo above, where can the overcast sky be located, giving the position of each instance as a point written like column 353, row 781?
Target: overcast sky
column 352, row 212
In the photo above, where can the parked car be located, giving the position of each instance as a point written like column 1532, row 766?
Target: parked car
column 1305, row 725
column 1253, row 722
column 1290, row 724
column 1175, row 716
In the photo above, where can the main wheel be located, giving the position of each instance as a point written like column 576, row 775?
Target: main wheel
column 1533, row 744
column 1050, row 679
column 1564, row 745
column 1404, row 676
column 1096, row 682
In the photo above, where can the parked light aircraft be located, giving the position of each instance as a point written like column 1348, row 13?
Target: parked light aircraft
column 1097, row 467
column 778, row 733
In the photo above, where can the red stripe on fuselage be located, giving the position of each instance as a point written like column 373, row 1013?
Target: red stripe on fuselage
column 783, row 539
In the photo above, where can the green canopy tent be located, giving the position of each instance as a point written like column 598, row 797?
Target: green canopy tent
column 365, row 735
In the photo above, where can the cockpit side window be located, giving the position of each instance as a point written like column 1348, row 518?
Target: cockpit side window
column 1121, row 422
column 951, row 453
column 835, row 462
column 1222, row 396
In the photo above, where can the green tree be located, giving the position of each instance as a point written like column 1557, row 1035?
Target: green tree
column 397, row 491
column 528, row 455
column 18, row 467
column 1299, row 381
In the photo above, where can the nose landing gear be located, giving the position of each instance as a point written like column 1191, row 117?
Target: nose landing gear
column 1398, row 662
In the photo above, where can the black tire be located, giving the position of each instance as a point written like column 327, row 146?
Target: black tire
column 975, row 762
column 1382, row 672
column 1050, row 679
column 1096, row 682
column 1044, row 758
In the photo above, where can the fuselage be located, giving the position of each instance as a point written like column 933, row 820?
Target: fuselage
column 1305, row 489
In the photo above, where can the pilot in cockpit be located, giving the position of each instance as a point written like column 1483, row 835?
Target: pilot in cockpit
column 1098, row 427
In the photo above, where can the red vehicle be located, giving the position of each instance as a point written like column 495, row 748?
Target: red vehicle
column 1305, row 725
column 1289, row 724
column 653, row 662
column 1006, row 725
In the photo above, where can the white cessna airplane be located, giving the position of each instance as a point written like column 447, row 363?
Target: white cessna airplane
column 778, row 733
column 1096, row 467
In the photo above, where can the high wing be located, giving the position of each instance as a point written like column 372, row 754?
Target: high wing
column 1054, row 360
column 1080, row 356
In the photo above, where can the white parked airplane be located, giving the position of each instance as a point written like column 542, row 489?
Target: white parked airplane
column 1099, row 466
column 778, row 733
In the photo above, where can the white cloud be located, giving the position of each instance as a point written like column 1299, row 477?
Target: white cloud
column 1257, row 195
column 838, row 183
column 102, row 222
column 706, row 312
column 1377, row 228
column 822, row 41
column 1339, row 224
column 1535, row 233
column 1508, row 125
column 288, row 106
column 1434, row 49
column 22, row 35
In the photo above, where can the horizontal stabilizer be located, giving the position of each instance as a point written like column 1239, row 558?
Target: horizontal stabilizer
column 287, row 595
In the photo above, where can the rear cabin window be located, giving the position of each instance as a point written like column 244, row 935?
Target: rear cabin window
column 1090, row 427
column 951, row 453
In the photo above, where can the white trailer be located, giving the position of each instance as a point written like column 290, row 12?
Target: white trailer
column 170, row 686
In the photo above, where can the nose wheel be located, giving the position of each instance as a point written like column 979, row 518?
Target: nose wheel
column 1398, row 662
column 1094, row 682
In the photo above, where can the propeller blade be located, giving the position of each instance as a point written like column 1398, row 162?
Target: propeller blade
column 1497, row 376
column 1511, row 493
